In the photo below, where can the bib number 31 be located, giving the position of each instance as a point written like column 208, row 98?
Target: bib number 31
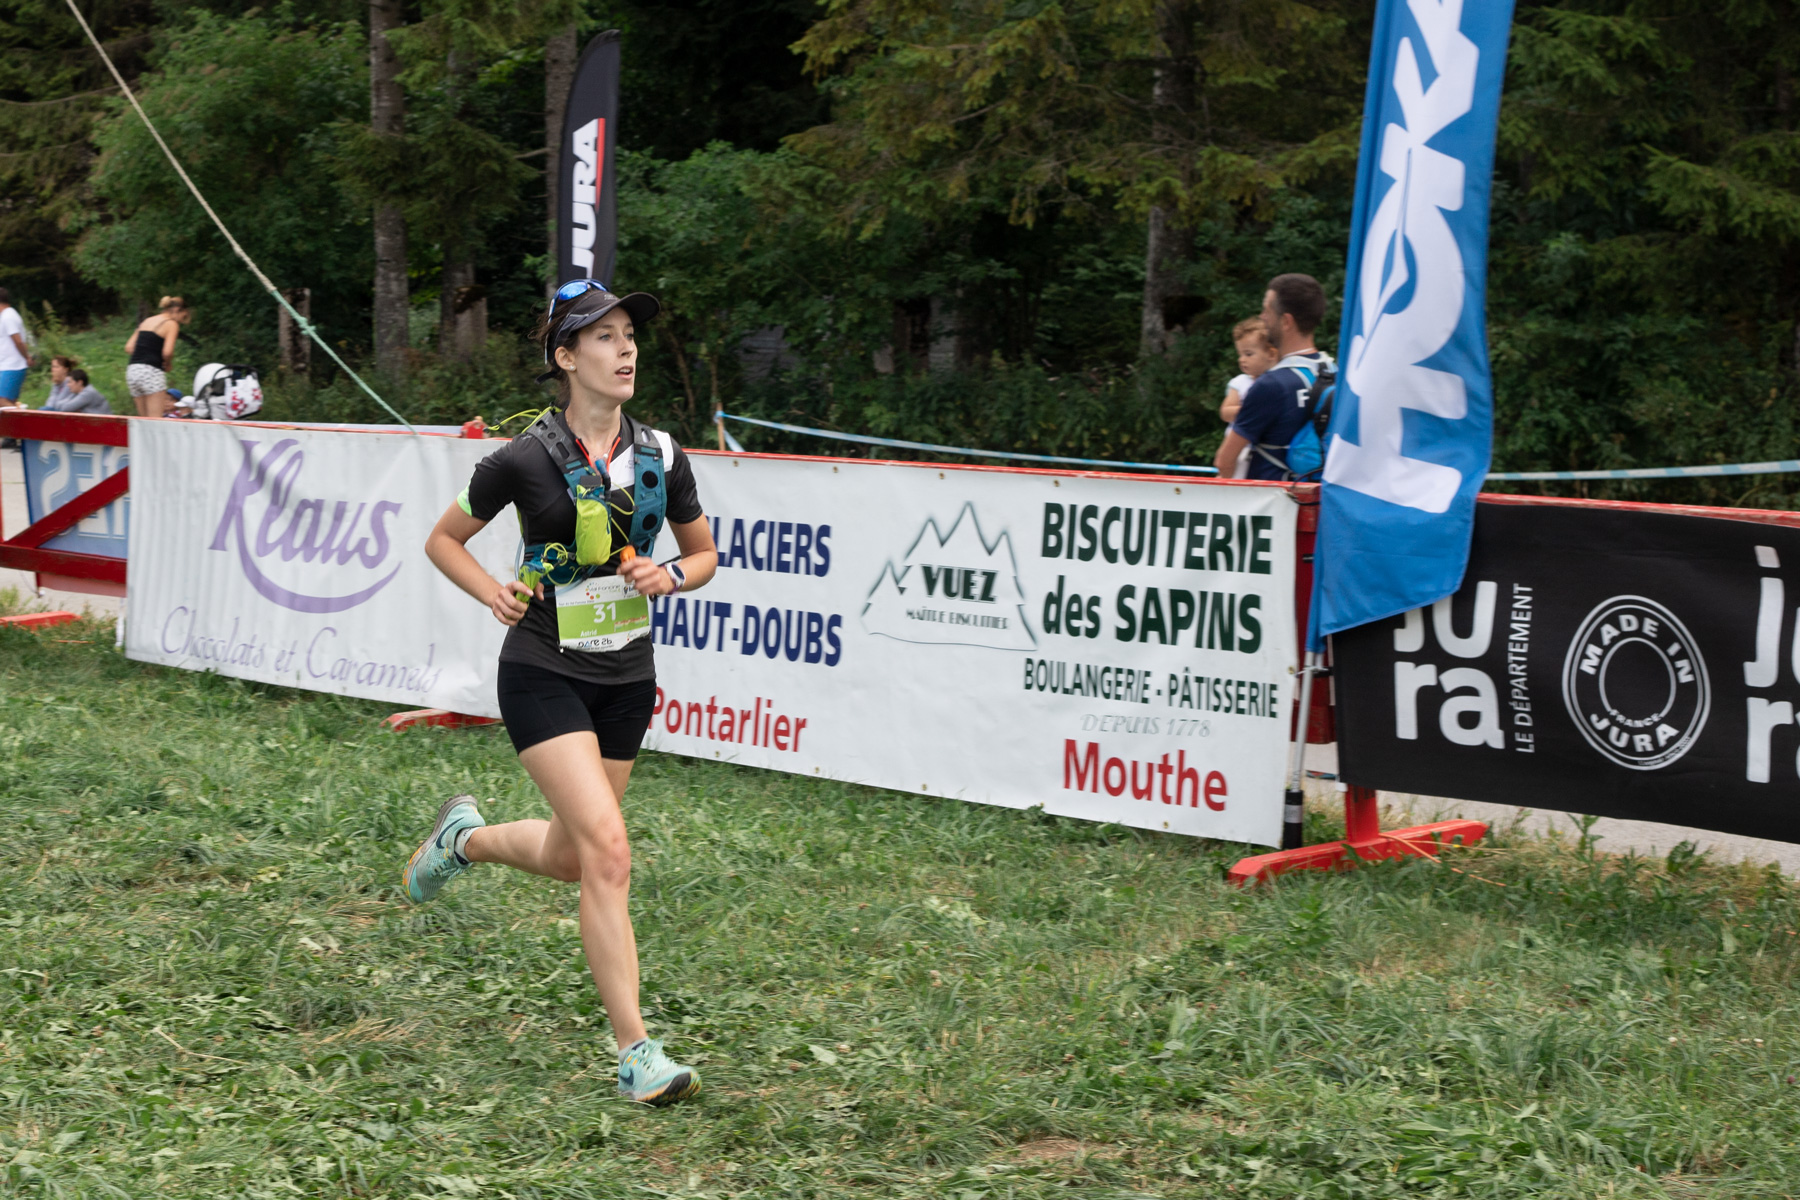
column 601, row 613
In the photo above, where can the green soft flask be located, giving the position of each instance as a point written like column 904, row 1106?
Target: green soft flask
column 593, row 520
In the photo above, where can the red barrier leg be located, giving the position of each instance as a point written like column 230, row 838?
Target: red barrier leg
column 441, row 717
column 39, row 620
column 1363, row 841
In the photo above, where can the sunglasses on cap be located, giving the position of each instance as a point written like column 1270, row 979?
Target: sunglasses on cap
column 574, row 290
column 566, row 295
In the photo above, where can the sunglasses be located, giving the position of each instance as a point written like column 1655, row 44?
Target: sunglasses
column 574, row 290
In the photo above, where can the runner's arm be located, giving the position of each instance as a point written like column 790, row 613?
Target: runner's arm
column 448, row 550
column 699, row 559
column 23, row 352
column 1229, row 449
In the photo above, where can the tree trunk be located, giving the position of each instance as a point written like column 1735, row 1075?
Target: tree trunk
column 387, row 119
column 1170, row 244
column 559, row 74
column 456, row 293
column 294, row 348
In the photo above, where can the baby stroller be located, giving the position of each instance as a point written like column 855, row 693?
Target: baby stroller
column 225, row 392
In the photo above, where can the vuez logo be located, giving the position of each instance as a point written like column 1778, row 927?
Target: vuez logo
column 953, row 583
column 1635, row 683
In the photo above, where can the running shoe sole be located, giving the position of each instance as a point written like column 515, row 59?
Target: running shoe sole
column 675, row 1091
column 437, row 831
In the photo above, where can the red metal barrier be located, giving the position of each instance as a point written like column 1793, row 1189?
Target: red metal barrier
column 25, row 551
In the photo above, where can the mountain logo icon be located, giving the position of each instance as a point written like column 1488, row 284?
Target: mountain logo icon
column 954, row 588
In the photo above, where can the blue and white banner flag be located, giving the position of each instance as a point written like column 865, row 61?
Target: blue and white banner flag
column 1412, row 425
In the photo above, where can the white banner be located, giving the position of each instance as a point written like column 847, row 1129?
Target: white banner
column 1112, row 649
column 297, row 557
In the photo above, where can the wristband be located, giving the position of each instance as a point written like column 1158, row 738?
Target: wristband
column 673, row 567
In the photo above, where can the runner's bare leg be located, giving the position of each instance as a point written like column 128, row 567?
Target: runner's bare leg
column 584, row 841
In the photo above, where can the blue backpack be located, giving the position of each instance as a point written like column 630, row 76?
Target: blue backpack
column 1304, row 456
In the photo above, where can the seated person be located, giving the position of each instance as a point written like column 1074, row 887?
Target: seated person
column 77, row 395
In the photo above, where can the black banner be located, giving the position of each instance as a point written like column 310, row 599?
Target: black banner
column 1611, row 661
column 587, row 229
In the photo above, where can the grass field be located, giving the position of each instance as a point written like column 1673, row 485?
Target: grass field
column 210, row 987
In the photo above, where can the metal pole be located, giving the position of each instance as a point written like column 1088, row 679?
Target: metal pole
column 1293, row 816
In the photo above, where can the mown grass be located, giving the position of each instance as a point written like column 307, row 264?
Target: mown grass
column 210, row 987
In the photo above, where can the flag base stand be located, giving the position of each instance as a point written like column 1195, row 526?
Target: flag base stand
column 1363, row 842
column 39, row 620
column 441, row 717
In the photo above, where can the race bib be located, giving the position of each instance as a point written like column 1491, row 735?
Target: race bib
column 602, row 612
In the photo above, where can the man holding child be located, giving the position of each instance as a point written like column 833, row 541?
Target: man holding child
column 1275, row 407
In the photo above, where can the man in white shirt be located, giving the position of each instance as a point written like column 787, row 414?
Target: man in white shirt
column 15, row 359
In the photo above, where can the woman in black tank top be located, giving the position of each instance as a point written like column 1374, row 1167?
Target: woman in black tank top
column 151, row 350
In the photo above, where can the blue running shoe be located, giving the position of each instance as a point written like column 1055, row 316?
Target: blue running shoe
column 649, row 1076
column 436, row 861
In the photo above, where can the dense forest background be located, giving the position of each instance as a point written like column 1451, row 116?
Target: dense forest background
column 1024, row 225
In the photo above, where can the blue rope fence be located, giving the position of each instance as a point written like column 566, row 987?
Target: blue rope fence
column 897, row 444
column 1781, row 467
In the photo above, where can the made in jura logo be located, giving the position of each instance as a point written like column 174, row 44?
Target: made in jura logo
column 332, row 534
column 1633, row 680
column 1635, row 684
column 954, row 587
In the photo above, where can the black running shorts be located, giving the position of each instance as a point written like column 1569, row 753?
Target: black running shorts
column 538, row 704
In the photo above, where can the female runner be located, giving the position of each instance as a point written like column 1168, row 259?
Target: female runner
column 576, row 715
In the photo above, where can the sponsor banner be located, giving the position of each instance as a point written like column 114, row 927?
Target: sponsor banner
column 297, row 557
column 1624, row 663
column 56, row 473
column 1412, row 421
column 587, row 227
column 1112, row 649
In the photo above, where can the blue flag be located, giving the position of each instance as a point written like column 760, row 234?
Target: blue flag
column 1412, row 422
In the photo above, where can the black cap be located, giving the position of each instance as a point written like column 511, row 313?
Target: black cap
column 642, row 307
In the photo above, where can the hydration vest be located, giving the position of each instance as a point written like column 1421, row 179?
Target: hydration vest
column 596, row 519
column 1304, row 453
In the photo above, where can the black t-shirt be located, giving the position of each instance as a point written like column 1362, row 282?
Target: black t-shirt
column 522, row 474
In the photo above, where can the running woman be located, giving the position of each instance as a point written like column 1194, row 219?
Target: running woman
column 577, row 680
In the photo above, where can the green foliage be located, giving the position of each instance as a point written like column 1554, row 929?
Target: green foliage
column 1645, row 291
column 696, row 72
column 1019, row 106
column 52, row 90
column 492, row 384
column 249, row 106
column 211, row 986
